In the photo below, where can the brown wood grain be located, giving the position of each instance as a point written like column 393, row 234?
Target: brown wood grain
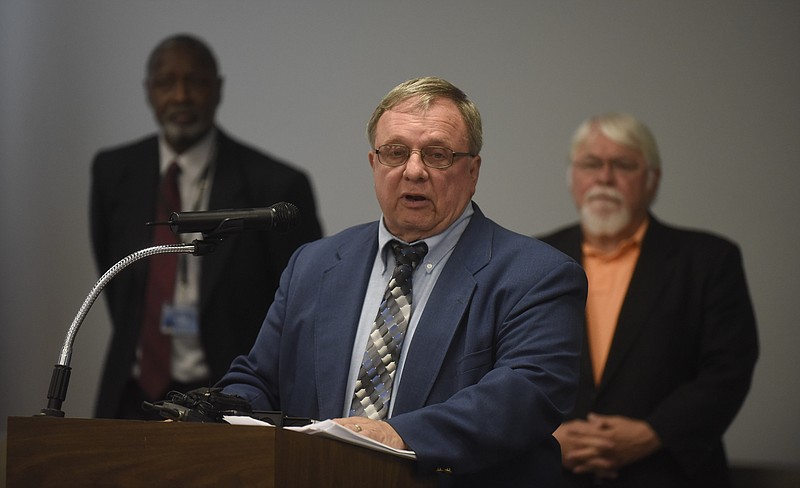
column 44, row 451
column 65, row 452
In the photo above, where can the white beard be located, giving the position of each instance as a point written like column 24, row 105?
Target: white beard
column 601, row 217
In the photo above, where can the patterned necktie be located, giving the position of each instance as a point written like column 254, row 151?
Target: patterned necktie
column 155, row 346
column 375, row 378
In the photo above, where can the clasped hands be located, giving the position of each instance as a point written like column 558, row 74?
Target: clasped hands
column 602, row 444
column 377, row 430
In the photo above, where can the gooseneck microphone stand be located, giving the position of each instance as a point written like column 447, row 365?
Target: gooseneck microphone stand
column 61, row 372
column 214, row 225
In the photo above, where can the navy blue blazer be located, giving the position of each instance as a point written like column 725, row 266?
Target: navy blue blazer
column 490, row 373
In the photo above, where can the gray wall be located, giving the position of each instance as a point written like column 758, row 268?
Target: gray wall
column 717, row 81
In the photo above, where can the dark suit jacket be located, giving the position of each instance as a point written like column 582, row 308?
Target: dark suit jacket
column 491, row 370
column 682, row 356
column 238, row 281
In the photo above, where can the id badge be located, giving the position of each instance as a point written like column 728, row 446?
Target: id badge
column 179, row 320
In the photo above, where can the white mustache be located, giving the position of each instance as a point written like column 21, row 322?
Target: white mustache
column 599, row 191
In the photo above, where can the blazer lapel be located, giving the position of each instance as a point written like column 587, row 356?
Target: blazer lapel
column 227, row 191
column 650, row 277
column 137, row 197
column 443, row 313
column 143, row 182
column 341, row 295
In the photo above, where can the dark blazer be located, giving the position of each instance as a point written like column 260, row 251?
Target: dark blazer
column 682, row 356
column 238, row 281
column 490, row 372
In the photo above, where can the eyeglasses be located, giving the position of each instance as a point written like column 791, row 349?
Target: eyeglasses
column 624, row 166
column 432, row 156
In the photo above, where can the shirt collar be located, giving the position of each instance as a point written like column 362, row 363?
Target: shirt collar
column 438, row 246
column 624, row 246
column 195, row 160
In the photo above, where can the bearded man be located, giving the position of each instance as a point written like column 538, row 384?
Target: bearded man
column 670, row 341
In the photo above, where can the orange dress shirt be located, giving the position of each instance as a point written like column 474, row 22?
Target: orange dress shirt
column 609, row 275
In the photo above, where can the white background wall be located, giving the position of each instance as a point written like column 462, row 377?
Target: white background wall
column 717, row 80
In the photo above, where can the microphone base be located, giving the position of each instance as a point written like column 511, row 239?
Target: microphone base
column 50, row 412
column 57, row 392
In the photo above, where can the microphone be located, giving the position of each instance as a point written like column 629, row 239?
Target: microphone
column 213, row 224
column 280, row 217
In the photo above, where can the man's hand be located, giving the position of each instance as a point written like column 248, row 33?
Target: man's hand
column 583, row 448
column 603, row 444
column 632, row 439
column 374, row 429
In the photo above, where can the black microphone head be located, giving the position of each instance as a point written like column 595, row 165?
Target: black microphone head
column 286, row 216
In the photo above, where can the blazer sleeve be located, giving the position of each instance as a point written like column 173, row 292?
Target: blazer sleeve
column 97, row 215
column 298, row 191
column 514, row 404
column 692, row 419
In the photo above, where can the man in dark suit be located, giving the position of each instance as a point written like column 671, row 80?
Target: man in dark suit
column 670, row 340
column 221, row 298
column 488, row 363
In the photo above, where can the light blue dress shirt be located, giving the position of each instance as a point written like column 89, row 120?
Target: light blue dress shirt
column 440, row 247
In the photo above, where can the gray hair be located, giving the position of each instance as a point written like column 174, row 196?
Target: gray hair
column 427, row 90
column 623, row 129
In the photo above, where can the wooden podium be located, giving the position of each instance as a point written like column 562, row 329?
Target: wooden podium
column 64, row 452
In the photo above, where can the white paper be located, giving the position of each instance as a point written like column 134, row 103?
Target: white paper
column 330, row 429
column 245, row 420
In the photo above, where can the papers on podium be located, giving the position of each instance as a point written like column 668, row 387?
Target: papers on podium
column 330, row 429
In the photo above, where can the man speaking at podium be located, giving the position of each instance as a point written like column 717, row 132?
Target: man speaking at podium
column 471, row 360
column 179, row 322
